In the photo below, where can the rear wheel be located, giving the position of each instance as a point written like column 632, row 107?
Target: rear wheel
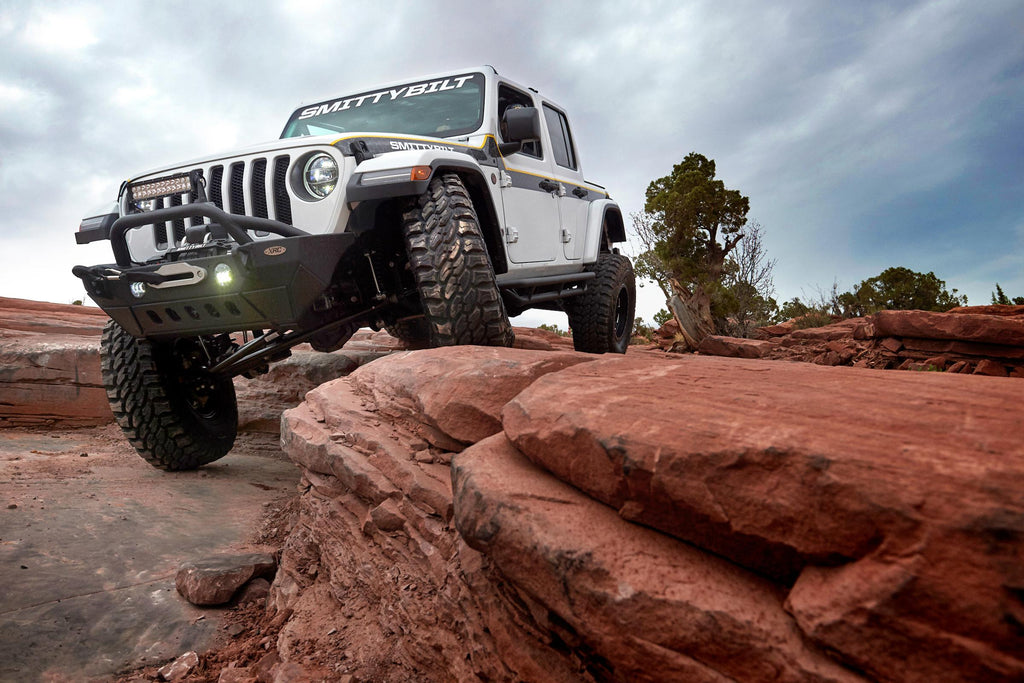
column 176, row 414
column 602, row 317
column 453, row 273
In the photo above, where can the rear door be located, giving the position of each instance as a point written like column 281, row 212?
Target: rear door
column 532, row 213
column 573, row 200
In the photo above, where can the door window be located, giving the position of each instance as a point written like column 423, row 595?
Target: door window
column 561, row 140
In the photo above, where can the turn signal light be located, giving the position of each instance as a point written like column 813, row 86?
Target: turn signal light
column 419, row 173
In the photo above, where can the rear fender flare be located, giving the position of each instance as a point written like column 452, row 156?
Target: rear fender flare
column 604, row 228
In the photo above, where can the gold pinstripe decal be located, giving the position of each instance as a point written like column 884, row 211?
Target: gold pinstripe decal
column 482, row 145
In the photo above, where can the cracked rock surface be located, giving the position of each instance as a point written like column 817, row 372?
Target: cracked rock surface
column 654, row 518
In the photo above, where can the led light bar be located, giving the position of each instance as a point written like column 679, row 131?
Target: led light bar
column 161, row 187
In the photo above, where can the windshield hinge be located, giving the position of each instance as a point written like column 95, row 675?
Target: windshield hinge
column 360, row 151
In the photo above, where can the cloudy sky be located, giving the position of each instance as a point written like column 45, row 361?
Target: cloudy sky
column 866, row 134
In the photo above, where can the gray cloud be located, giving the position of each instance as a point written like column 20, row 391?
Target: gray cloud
column 866, row 134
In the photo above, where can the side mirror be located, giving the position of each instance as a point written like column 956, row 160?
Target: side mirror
column 520, row 124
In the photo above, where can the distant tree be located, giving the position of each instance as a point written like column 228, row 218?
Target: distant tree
column 662, row 317
column 642, row 329
column 748, row 284
column 794, row 308
column 999, row 297
column 813, row 313
column 553, row 328
column 691, row 222
column 901, row 289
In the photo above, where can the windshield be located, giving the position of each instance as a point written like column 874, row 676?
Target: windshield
column 441, row 108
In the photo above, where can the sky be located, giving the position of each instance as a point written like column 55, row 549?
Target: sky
column 866, row 134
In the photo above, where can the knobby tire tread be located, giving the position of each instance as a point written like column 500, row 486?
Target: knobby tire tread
column 592, row 314
column 156, row 420
column 453, row 272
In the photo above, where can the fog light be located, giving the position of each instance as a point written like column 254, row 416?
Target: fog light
column 223, row 275
column 138, row 289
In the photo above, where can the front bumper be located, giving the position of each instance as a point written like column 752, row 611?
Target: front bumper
column 273, row 286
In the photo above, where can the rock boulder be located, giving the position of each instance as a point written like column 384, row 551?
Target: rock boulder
column 781, row 538
column 789, row 470
column 214, row 581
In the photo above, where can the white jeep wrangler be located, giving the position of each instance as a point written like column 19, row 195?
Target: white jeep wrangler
column 435, row 208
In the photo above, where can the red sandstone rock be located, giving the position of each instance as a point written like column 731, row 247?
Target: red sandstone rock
column 990, row 368
column 965, row 348
column 214, row 581
column 255, row 590
column 457, row 394
column 994, row 309
column 41, row 317
column 779, row 330
column 734, row 347
column 791, row 470
column 841, row 329
column 669, row 330
column 179, row 668
column 262, row 398
column 541, row 340
column 648, row 607
column 52, row 380
column 960, row 366
column 891, row 344
column 986, row 329
column 374, row 555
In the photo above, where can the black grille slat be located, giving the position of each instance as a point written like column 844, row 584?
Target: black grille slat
column 160, row 228
column 258, row 188
column 237, row 189
column 282, row 204
column 193, row 197
column 178, row 223
column 216, row 183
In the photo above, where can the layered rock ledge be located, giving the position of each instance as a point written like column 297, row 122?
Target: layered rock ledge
column 511, row 514
column 981, row 340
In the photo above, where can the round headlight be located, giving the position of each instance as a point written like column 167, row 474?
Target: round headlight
column 320, row 176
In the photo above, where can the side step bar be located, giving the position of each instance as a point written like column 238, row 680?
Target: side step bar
column 527, row 292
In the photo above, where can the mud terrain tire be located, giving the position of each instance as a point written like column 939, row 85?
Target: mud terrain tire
column 452, row 269
column 177, row 417
column 602, row 317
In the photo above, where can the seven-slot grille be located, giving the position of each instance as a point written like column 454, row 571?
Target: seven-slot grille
column 245, row 189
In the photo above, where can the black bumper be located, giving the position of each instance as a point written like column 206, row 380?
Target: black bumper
column 273, row 286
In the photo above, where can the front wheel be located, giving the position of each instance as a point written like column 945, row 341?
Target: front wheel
column 602, row 317
column 448, row 257
column 176, row 414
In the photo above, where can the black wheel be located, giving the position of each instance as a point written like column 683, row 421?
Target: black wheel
column 453, row 273
column 177, row 415
column 602, row 317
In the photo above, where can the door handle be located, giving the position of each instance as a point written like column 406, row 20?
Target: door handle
column 580, row 192
column 548, row 186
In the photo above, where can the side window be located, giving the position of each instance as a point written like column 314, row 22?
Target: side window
column 510, row 97
column 561, row 139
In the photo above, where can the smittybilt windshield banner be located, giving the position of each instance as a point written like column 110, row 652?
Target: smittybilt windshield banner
column 453, row 83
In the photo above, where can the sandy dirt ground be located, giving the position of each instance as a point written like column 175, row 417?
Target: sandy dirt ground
column 91, row 537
